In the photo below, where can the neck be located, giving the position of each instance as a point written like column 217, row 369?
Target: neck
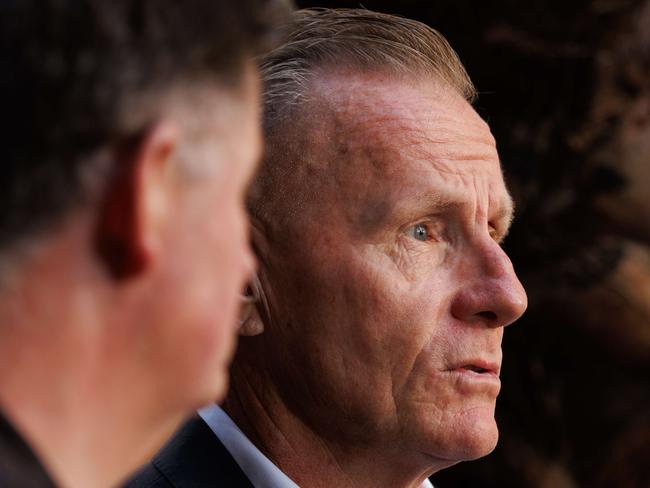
column 62, row 386
column 309, row 458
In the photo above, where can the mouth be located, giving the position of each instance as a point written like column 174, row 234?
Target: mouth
column 476, row 376
column 478, row 367
column 475, row 369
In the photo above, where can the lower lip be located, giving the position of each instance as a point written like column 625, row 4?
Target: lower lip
column 472, row 381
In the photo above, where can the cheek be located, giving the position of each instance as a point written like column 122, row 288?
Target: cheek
column 219, row 261
column 225, row 242
column 378, row 323
column 414, row 321
column 330, row 337
column 224, row 270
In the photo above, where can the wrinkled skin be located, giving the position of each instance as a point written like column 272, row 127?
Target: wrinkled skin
column 384, row 276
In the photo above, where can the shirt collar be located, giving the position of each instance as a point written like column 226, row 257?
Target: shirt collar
column 256, row 466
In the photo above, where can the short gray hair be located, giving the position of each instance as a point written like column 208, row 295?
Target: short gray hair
column 322, row 38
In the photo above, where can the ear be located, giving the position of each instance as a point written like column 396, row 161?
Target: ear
column 135, row 201
column 254, row 307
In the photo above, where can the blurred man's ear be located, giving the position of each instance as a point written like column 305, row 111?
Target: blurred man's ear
column 135, row 202
column 250, row 319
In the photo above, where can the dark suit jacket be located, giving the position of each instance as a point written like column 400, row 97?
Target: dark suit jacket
column 19, row 466
column 194, row 458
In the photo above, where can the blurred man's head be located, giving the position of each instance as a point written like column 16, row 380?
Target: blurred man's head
column 378, row 214
column 130, row 134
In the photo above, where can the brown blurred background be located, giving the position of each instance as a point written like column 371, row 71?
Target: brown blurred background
column 565, row 86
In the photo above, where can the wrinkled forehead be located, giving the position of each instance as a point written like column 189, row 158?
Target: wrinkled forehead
column 378, row 134
column 367, row 154
column 384, row 112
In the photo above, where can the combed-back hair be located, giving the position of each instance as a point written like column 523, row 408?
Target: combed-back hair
column 73, row 71
column 322, row 39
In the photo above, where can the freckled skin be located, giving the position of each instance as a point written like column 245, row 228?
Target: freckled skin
column 367, row 320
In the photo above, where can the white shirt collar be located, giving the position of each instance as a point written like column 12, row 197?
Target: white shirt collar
column 259, row 469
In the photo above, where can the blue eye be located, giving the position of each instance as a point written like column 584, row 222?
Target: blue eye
column 420, row 232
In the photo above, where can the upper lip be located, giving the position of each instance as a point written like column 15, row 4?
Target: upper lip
column 479, row 365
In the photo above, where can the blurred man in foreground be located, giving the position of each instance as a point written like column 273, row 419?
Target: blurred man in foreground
column 130, row 133
column 383, row 292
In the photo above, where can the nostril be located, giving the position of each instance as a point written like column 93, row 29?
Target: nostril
column 491, row 316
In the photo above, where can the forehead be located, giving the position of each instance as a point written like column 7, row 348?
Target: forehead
column 393, row 138
column 417, row 119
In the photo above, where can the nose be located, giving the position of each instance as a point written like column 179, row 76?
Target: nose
column 490, row 292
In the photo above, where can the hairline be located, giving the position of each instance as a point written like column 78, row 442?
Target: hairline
column 310, row 93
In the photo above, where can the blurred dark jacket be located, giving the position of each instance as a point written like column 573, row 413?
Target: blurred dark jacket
column 19, row 466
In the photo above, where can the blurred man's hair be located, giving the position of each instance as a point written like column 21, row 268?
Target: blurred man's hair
column 75, row 73
column 317, row 40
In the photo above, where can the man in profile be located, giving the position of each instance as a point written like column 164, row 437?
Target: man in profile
column 130, row 131
column 375, row 337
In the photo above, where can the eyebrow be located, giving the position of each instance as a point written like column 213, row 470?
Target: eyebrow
column 505, row 213
column 439, row 203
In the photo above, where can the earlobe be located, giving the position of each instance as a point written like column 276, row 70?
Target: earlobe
column 250, row 323
column 250, row 319
column 134, row 199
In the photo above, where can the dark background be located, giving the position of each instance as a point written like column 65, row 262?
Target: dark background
column 565, row 86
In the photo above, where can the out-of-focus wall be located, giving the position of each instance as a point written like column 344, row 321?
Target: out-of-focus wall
column 565, row 86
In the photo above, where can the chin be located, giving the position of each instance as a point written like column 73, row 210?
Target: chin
column 481, row 443
column 466, row 436
column 477, row 435
column 206, row 387
column 208, row 376
column 219, row 387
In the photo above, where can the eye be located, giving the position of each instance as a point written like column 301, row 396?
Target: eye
column 420, row 232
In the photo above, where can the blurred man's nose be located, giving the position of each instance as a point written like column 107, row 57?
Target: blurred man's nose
column 490, row 292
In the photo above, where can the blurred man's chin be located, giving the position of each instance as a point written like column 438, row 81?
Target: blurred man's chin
column 220, row 387
column 212, row 389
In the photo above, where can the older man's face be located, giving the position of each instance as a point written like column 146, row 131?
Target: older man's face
column 388, row 285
